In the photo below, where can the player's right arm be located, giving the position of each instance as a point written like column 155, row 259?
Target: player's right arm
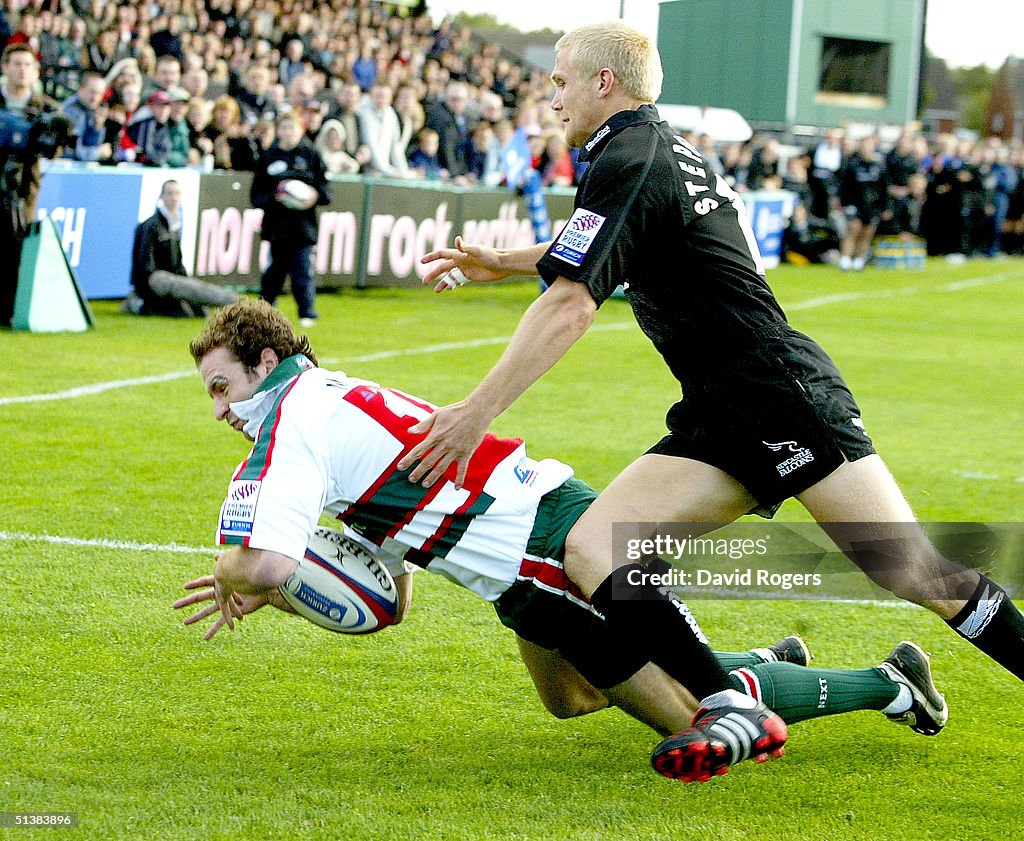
column 551, row 325
column 479, row 263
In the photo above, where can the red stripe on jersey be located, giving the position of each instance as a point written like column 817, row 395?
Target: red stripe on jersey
column 273, row 430
column 273, row 438
column 551, row 576
column 491, row 452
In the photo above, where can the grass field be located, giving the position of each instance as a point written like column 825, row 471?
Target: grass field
column 109, row 707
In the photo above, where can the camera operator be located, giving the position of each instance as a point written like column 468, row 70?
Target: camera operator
column 31, row 127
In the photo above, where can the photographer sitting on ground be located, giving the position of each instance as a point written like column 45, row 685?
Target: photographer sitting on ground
column 159, row 277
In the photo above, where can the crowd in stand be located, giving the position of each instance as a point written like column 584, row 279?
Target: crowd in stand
column 962, row 197
column 382, row 91
column 385, row 91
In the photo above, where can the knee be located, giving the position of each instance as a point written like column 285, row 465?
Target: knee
column 573, row 704
column 580, row 565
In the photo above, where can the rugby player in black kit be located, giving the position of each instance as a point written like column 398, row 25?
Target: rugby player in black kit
column 765, row 414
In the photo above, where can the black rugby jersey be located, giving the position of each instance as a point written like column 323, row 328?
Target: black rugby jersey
column 652, row 216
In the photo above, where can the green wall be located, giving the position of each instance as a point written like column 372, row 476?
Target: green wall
column 742, row 54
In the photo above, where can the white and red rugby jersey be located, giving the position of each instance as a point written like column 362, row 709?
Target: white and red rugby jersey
column 329, row 443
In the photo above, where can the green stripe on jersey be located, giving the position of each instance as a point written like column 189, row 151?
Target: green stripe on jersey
column 257, row 461
column 398, row 497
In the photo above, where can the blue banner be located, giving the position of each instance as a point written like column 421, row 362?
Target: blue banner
column 95, row 214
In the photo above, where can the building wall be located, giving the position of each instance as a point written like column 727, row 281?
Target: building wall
column 764, row 57
column 727, row 54
column 896, row 22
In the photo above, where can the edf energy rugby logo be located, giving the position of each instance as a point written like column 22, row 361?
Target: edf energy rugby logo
column 800, row 456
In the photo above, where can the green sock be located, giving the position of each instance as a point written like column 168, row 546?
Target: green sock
column 797, row 693
column 737, row 659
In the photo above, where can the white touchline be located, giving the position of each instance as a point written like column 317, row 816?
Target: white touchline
column 130, row 545
column 811, row 303
column 95, row 388
column 110, row 385
column 134, row 546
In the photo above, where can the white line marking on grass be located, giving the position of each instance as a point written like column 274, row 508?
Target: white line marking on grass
column 977, row 475
column 110, row 385
column 811, row 303
column 101, row 543
column 95, row 388
column 864, row 294
column 135, row 546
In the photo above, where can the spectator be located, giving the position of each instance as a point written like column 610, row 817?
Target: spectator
column 330, row 143
column 483, row 157
column 973, row 225
column 313, row 118
column 301, row 90
column 167, row 41
column 448, row 120
column 230, row 142
column 557, row 168
column 823, row 178
column 364, row 68
column 90, row 130
column 253, row 99
column 1004, row 182
column 160, row 282
column 900, row 166
column 382, row 133
column 125, row 72
column 197, row 118
column 764, row 173
column 795, row 180
column 940, row 217
column 808, row 240
column 346, row 112
column 292, row 63
column 736, row 166
column 292, row 233
column 181, row 140
column 492, row 109
column 863, row 194
column 103, row 53
column 151, row 136
column 196, row 81
column 409, row 112
column 5, row 27
column 264, row 133
column 424, row 159
column 166, row 75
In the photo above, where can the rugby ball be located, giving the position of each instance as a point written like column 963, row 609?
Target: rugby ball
column 296, row 195
column 342, row 586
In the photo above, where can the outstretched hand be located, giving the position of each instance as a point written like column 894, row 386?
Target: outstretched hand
column 476, row 262
column 453, row 434
column 239, row 605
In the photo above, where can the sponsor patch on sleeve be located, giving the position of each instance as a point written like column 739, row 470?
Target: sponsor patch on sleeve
column 239, row 510
column 577, row 236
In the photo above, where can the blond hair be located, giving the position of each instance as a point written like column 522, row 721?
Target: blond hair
column 627, row 52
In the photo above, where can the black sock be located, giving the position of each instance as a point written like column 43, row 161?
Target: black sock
column 992, row 623
column 646, row 619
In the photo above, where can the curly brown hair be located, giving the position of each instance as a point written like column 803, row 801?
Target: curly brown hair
column 247, row 327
